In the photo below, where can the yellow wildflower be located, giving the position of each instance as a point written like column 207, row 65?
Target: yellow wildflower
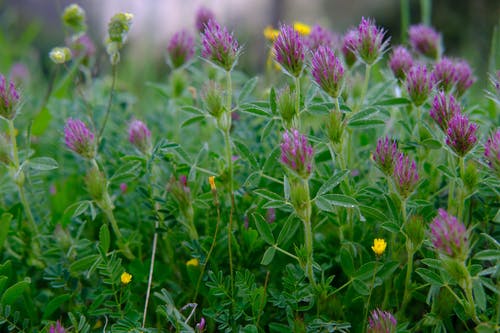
column 211, row 180
column 270, row 33
column 302, row 28
column 126, row 278
column 193, row 262
column 379, row 245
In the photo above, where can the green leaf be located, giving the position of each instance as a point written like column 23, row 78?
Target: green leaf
column 246, row 153
column 3, row 281
column 332, row 182
column 479, row 294
column 266, row 194
column 361, row 287
column 4, row 227
column 446, row 171
column 490, row 255
column 43, row 163
column 391, row 226
column 387, row 270
column 247, row 89
column 81, row 207
column 272, row 101
column 254, row 110
column 54, row 304
column 289, row 229
column 160, row 88
column 324, row 205
column 193, row 120
column 393, row 101
column 127, row 171
column 192, row 109
column 81, row 265
column 363, row 114
column 264, row 229
column 250, row 329
column 268, row 256
column 14, row 292
column 41, row 122
column 366, row 271
column 366, row 123
column 340, row 200
column 104, row 239
column 373, row 213
column 346, row 261
column 431, row 143
column 429, row 276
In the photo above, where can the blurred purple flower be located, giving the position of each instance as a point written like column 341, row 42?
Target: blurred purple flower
column 370, row 45
column 9, row 98
column 289, row 50
column 443, row 109
column 319, row 36
column 492, row 152
column 271, row 215
column 443, row 74
column 381, row 322
column 385, row 155
column 405, row 175
column 180, row 49
column 81, row 46
column 327, row 71
column 418, row 84
column 449, row 236
column 461, row 135
column 58, row 328
column 79, row 138
column 219, row 46
column 400, row 62
column 19, row 72
column 200, row 327
column 463, row 77
column 349, row 44
column 203, row 15
column 123, row 187
column 296, row 153
column 140, row 136
column 425, row 40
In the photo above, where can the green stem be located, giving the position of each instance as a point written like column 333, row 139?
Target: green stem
column 426, row 10
column 365, row 87
column 461, row 189
column 405, row 20
column 409, row 269
column 308, row 234
column 110, row 101
column 114, row 224
column 469, row 296
column 369, row 296
column 286, row 252
column 297, row 102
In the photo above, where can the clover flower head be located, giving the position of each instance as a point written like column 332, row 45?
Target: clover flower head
column 370, row 45
column 443, row 74
column 425, row 40
column 79, row 138
column 463, row 77
column 9, row 98
column 289, row 50
column 381, row 322
column 139, row 135
column 449, row 236
column 461, row 134
column 57, row 328
column 219, row 46
column 203, row 15
column 328, row 71
column 418, row 84
column 492, row 152
column 349, row 45
column 319, row 36
column 180, row 49
column 443, row 109
column 297, row 154
column 385, row 155
column 405, row 175
column 400, row 62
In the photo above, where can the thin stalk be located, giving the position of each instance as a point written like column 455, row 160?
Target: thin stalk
column 409, row 269
column 426, row 11
column 365, row 87
column 405, row 19
column 369, row 296
column 468, row 295
column 297, row 102
column 114, row 224
column 110, row 101
column 308, row 236
column 285, row 252
column 341, row 287
column 461, row 189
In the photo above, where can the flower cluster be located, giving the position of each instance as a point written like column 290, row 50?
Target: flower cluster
column 492, row 152
column 400, row 62
column 140, row 136
column 289, row 50
column 219, row 46
column 405, row 175
column 385, row 155
column 425, row 40
column 443, row 109
column 349, row 43
column 319, row 36
column 327, row 71
column 381, row 322
column 9, row 98
column 297, row 154
column 203, row 15
column 418, row 84
column 449, row 236
column 461, row 135
column 79, row 138
column 57, row 328
column 180, row 48
column 370, row 44
column 448, row 74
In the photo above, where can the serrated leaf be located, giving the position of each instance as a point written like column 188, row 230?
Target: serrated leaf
column 54, row 304
column 193, row 120
column 14, row 292
column 429, row 276
column 332, row 182
column 43, row 163
column 247, row 89
column 263, row 228
column 104, row 239
column 268, row 256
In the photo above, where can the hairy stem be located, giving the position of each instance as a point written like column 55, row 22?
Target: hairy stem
column 110, row 101
column 365, row 87
column 297, row 102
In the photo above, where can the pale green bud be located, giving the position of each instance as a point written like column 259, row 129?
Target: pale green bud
column 74, row 17
column 60, row 55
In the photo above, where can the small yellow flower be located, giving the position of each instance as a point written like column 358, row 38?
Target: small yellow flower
column 211, row 180
column 193, row 262
column 379, row 245
column 302, row 28
column 126, row 278
column 270, row 33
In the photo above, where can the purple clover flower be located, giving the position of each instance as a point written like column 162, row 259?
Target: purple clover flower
column 463, row 77
column 81, row 46
column 296, row 153
column 203, row 15
column 443, row 74
column 492, row 152
column 9, row 98
column 219, row 46
column 443, row 109
column 140, row 136
column 385, row 155
column 289, row 50
column 418, row 84
column 79, row 138
column 349, row 44
column 449, row 236
column 370, row 45
column 405, row 175
column 319, row 36
column 58, row 328
column 328, row 71
column 400, row 62
column 461, row 135
column 425, row 40
column 180, row 48
column 381, row 322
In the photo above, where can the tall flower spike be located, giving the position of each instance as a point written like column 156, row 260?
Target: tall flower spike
column 289, row 50
column 79, row 138
column 140, row 136
column 381, row 322
column 400, row 62
column 418, row 84
column 370, row 45
column 319, row 36
column 203, row 15
column 492, row 152
column 9, row 98
column 405, row 175
column 328, row 71
column 461, row 135
column 443, row 109
column 463, row 77
column 297, row 154
column 449, row 236
column 385, row 155
column 425, row 40
column 443, row 74
column 219, row 46
column 180, row 48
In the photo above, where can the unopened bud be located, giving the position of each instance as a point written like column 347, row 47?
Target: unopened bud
column 60, row 55
column 74, row 17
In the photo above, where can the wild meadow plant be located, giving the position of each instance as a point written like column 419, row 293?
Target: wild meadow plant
column 349, row 187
